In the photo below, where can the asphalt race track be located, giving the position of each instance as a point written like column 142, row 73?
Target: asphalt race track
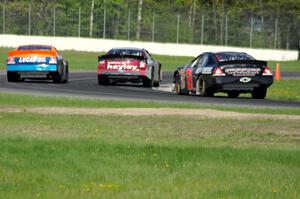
column 84, row 84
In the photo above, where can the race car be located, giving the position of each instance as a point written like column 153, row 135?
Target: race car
column 36, row 62
column 229, row 72
column 129, row 65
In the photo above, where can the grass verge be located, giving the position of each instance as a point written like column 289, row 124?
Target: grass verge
column 285, row 90
column 21, row 100
column 65, row 156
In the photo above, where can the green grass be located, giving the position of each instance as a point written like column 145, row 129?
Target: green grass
column 83, row 61
column 285, row 65
column 21, row 100
column 65, row 156
column 285, row 90
column 3, row 57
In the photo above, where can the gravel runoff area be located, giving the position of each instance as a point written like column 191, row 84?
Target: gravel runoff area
column 209, row 113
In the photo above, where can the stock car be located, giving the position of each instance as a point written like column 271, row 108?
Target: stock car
column 36, row 62
column 134, row 65
column 229, row 72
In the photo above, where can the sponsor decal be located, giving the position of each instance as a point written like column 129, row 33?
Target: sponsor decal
column 207, row 70
column 245, row 79
column 242, row 71
column 182, row 78
column 34, row 59
column 120, row 66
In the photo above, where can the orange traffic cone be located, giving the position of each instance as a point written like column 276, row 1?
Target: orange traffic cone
column 277, row 72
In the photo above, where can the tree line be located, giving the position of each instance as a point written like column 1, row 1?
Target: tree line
column 256, row 23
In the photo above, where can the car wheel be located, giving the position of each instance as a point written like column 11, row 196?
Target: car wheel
column 149, row 82
column 178, row 89
column 203, row 90
column 233, row 94
column 259, row 93
column 102, row 80
column 157, row 82
column 13, row 77
column 57, row 78
column 66, row 74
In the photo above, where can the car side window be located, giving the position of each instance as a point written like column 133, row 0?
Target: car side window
column 57, row 51
column 202, row 61
column 194, row 63
column 148, row 54
column 210, row 61
column 149, row 57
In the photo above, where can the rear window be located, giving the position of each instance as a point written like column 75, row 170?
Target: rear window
column 37, row 47
column 125, row 52
column 229, row 56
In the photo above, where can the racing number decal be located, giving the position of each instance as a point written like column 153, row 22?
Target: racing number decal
column 189, row 79
column 182, row 78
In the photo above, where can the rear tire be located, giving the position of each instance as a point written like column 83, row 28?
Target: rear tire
column 149, row 82
column 233, row 94
column 178, row 89
column 13, row 77
column 203, row 90
column 259, row 93
column 102, row 80
column 66, row 79
column 159, row 77
column 57, row 78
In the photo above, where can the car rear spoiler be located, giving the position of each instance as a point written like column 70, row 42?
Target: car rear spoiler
column 103, row 57
column 253, row 62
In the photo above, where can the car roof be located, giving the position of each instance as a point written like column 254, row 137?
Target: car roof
column 49, row 50
column 35, row 47
column 230, row 53
column 128, row 48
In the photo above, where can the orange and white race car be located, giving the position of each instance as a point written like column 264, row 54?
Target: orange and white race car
column 36, row 62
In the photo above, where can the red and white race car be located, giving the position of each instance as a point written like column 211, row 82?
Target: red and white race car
column 129, row 65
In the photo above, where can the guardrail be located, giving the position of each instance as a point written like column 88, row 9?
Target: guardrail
column 100, row 45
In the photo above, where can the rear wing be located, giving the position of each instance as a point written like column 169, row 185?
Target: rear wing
column 113, row 56
column 253, row 62
column 31, row 52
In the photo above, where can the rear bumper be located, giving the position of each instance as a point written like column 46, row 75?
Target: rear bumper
column 122, row 77
column 33, row 71
column 243, row 84
column 32, row 67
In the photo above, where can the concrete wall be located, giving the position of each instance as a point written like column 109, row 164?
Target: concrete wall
column 99, row 45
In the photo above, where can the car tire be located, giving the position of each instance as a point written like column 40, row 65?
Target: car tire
column 203, row 90
column 178, row 89
column 13, row 77
column 67, row 74
column 159, row 77
column 156, row 84
column 66, row 79
column 233, row 94
column 102, row 80
column 149, row 82
column 259, row 93
column 57, row 78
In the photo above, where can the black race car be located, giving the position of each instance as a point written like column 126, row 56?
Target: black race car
column 229, row 72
